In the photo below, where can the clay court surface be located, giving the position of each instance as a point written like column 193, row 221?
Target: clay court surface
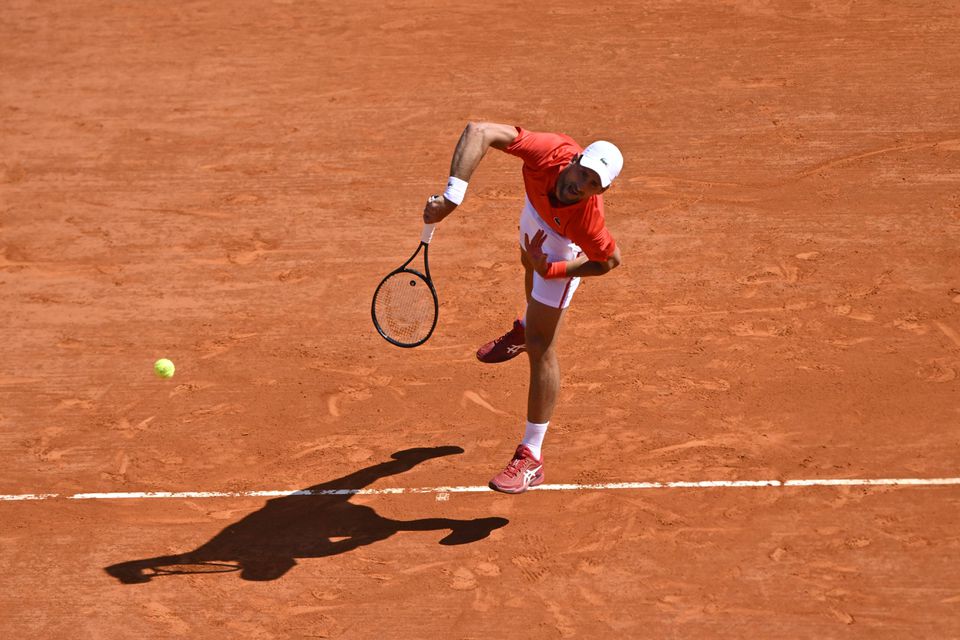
column 224, row 184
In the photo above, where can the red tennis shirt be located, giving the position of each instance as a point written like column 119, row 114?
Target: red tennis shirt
column 544, row 155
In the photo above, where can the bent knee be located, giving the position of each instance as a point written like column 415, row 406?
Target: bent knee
column 539, row 346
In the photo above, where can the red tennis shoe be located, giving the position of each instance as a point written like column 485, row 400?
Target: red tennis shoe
column 506, row 347
column 523, row 472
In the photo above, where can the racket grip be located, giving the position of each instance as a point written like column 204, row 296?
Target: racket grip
column 427, row 234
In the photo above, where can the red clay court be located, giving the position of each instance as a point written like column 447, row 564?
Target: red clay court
column 225, row 183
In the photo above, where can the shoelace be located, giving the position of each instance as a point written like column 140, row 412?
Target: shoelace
column 509, row 335
column 514, row 467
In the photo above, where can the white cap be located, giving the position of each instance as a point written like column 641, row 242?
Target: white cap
column 604, row 158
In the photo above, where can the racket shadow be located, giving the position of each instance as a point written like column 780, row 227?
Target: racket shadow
column 267, row 543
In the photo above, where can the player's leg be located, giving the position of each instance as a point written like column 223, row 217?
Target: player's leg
column 547, row 301
column 545, row 312
column 525, row 470
column 513, row 342
column 542, row 327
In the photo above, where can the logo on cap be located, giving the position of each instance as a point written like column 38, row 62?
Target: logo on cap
column 605, row 159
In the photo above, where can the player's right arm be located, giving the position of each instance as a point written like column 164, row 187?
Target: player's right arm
column 476, row 138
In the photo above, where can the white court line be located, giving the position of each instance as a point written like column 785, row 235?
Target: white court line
column 30, row 496
column 703, row 484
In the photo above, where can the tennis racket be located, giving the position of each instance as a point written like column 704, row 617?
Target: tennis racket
column 405, row 305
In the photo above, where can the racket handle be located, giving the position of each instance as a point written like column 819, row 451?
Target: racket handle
column 427, row 234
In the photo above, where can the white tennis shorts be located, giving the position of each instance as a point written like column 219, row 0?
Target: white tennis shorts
column 556, row 292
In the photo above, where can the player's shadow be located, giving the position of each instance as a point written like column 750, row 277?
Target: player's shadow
column 266, row 543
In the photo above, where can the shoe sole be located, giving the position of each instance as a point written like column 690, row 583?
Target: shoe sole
column 512, row 356
column 533, row 483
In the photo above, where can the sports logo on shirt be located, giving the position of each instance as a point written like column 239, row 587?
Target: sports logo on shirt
column 556, row 219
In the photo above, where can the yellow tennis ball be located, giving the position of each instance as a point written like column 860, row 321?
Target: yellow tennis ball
column 164, row 368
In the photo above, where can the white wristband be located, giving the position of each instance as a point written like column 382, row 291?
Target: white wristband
column 456, row 190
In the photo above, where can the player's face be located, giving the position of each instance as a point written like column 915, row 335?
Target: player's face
column 576, row 183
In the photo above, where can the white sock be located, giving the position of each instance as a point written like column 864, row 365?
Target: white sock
column 533, row 437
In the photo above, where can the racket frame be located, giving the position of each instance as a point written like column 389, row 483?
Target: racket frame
column 425, row 238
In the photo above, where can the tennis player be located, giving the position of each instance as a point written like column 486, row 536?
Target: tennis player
column 563, row 237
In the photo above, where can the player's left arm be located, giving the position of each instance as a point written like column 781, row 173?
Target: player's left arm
column 581, row 267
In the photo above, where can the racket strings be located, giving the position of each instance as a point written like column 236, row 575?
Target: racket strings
column 405, row 308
